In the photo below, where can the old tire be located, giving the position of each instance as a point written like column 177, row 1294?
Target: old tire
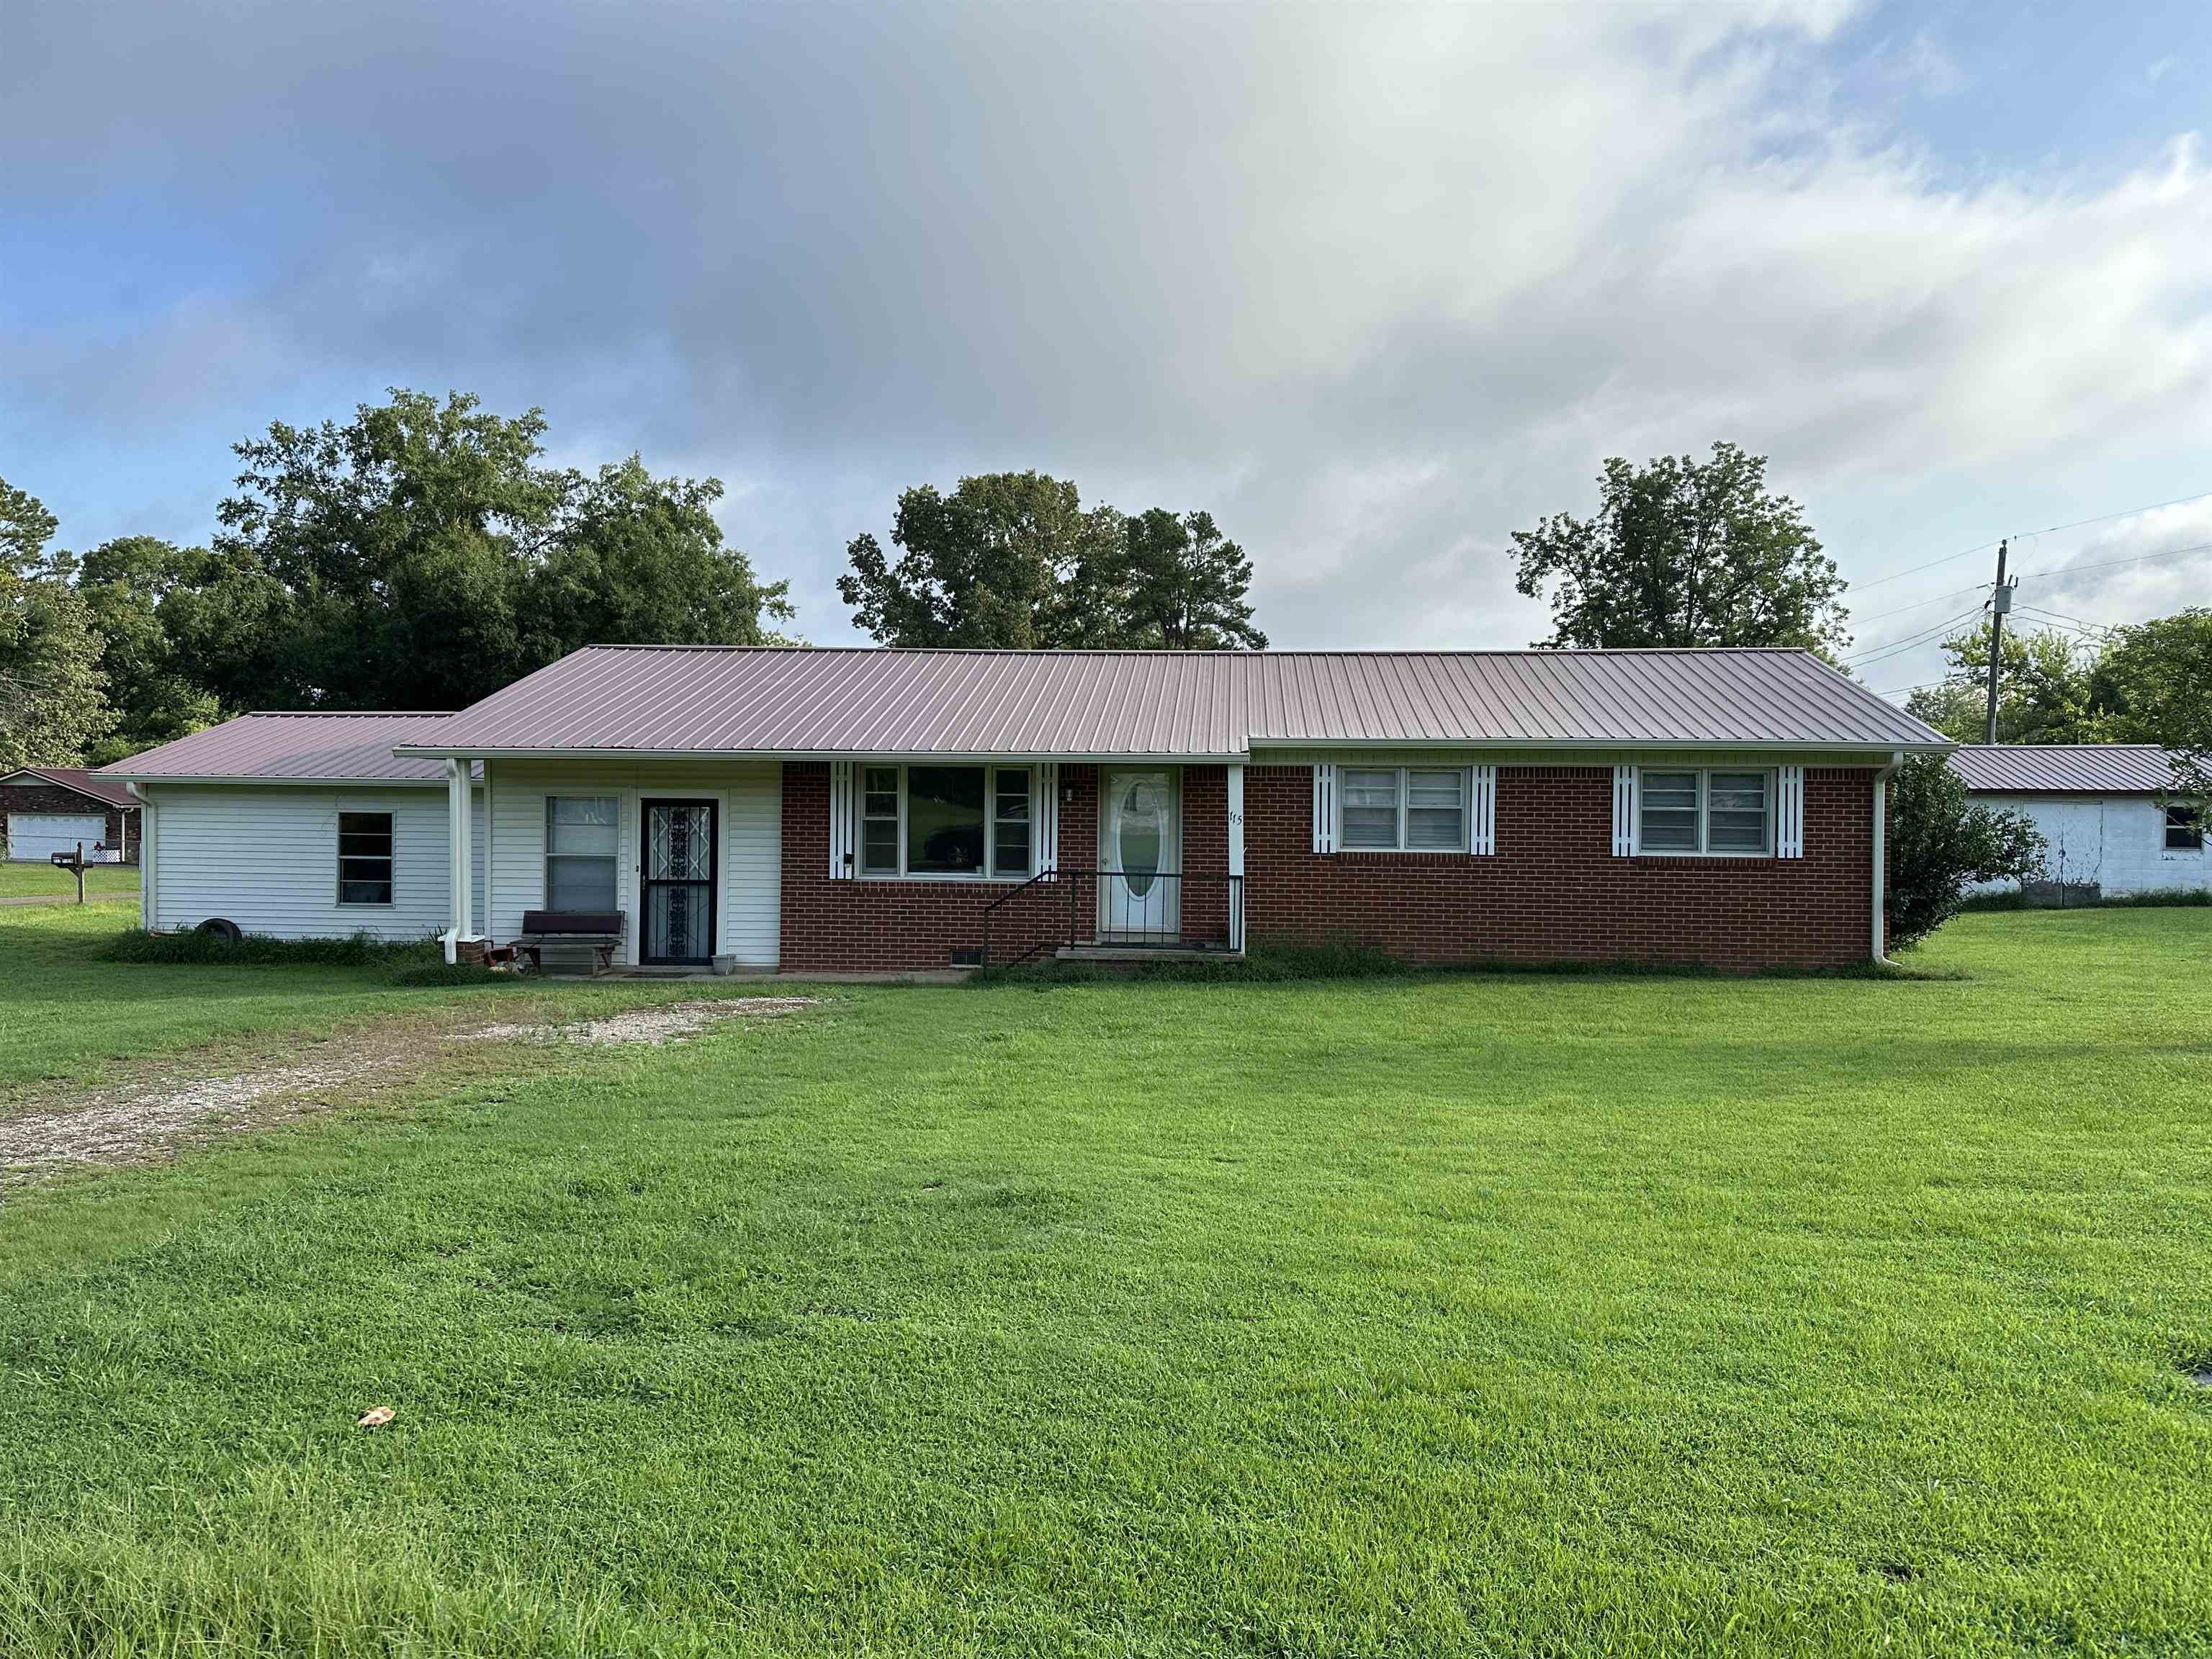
column 222, row 928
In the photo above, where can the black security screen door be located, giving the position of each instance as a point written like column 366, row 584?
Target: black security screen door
column 679, row 881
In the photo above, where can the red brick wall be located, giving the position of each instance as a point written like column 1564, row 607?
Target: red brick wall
column 896, row 927
column 48, row 798
column 1554, row 892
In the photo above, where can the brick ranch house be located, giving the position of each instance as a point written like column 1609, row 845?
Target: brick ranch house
column 886, row 811
column 46, row 810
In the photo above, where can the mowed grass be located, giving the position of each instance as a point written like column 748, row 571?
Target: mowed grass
column 66, row 1017
column 1450, row 1315
column 21, row 878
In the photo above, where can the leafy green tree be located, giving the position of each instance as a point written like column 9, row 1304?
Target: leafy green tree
column 634, row 557
column 418, row 556
column 1684, row 553
column 2153, row 684
column 124, row 583
column 53, row 698
column 1940, row 844
column 1007, row 561
column 1013, row 561
column 1180, row 585
column 2044, row 689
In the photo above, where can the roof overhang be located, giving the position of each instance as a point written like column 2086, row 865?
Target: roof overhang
column 133, row 780
column 1872, row 752
column 946, row 756
column 31, row 774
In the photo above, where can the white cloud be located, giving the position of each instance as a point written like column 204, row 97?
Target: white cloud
column 1377, row 285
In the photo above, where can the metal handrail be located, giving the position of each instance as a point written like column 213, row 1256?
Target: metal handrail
column 1155, row 930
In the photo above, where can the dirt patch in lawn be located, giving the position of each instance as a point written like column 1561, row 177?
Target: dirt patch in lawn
column 147, row 1118
column 671, row 1022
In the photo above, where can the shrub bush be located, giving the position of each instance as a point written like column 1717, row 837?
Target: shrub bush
column 260, row 951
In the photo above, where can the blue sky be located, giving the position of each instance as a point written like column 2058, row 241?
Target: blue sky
column 1376, row 285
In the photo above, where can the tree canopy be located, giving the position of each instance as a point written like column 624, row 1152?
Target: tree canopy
column 1940, row 842
column 417, row 556
column 53, row 700
column 2148, row 682
column 1014, row 561
column 2043, row 693
column 1682, row 552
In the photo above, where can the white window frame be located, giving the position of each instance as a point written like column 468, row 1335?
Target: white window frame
column 614, row 858
column 2167, row 827
column 1344, row 786
column 1704, row 849
column 990, row 770
column 391, row 859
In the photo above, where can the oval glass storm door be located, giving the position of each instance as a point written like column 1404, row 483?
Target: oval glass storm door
column 1143, row 852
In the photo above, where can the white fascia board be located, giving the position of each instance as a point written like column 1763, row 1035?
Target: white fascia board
column 919, row 757
column 1870, row 753
column 133, row 781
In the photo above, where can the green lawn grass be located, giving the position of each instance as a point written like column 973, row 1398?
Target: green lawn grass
column 21, row 878
column 1489, row 1315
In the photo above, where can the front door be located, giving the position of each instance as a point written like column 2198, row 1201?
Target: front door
column 679, row 882
column 1141, row 834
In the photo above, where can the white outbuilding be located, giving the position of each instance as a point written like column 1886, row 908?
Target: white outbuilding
column 2105, row 809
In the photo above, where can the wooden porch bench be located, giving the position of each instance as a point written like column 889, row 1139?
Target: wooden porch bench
column 599, row 931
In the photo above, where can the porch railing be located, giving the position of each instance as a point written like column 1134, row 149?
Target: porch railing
column 1116, row 910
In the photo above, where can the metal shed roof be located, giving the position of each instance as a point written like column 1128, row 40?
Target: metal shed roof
column 2064, row 768
column 1169, row 704
column 288, row 748
column 77, row 778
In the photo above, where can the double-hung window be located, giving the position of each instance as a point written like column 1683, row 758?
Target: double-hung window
column 970, row 821
column 1403, row 809
column 364, row 858
column 580, row 832
column 1707, row 811
column 2184, row 829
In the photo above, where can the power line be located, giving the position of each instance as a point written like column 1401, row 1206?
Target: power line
column 1891, row 648
column 2114, row 564
column 2077, row 625
column 1948, row 558
column 1957, row 593
column 2101, row 517
column 2124, row 513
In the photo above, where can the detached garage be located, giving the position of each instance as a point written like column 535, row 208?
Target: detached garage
column 46, row 810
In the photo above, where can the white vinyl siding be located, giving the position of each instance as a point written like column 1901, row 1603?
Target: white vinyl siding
column 266, row 858
column 749, row 796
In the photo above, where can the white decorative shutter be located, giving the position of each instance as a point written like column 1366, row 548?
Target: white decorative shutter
column 1624, row 811
column 1482, row 807
column 1048, row 817
column 1789, row 813
column 841, row 820
column 1324, row 808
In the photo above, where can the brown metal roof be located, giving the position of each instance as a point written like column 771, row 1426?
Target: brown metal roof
column 2129, row 769
column 719, row 699
column 77, row 778
column 282, row 748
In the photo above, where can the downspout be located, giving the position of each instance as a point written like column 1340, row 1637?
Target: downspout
column 1880, row 854
column 147, row 850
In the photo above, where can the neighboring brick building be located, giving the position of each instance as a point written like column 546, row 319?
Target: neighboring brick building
column 891, row 811
column 49, row 809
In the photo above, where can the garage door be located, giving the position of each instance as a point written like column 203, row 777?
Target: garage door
column 37, row 834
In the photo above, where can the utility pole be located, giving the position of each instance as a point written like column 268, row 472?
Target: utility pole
column 1999, row 603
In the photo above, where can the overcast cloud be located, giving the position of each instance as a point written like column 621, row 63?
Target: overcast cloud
column 1376, row 285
